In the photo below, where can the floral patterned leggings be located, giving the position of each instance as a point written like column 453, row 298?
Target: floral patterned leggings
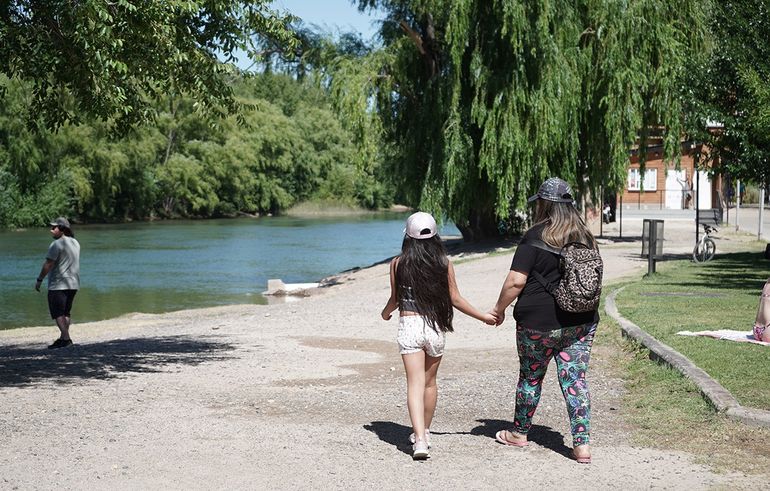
column 571, row 346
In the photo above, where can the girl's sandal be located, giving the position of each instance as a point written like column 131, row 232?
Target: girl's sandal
column 500, row 437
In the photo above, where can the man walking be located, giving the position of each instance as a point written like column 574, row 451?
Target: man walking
column 62, row 265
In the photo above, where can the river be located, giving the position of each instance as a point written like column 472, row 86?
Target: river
column 174, row 265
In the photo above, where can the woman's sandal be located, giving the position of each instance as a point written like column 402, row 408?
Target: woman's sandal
column 580, row 460
column 500, row 437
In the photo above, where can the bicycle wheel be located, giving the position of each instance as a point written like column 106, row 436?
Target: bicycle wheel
column 704, row 251
column 697, row 253
column 709, row 249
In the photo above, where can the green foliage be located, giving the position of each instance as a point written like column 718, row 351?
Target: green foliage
column 728, row 85
column 34, row 207
column 114, row 60
column 476, row 102
column 286, row 146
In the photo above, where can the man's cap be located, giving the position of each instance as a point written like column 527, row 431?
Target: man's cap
column 61, row 222
column 420, row 225
column 554, row 189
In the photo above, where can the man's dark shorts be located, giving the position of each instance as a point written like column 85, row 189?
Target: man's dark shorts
column 60, row 302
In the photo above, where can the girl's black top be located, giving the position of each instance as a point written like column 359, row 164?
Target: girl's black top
column 536, row 309
column 407, row 300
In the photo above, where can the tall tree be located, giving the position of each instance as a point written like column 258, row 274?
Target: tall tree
column 113, row 59
column 729, row 86
column 477, row 101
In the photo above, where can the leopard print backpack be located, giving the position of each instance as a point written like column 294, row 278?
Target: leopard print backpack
column 581, row 267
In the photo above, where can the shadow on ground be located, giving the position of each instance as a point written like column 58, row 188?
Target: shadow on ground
column 392, row 433
column 25, row 365
column 538, row 434
column 398, row 434
column 745, row 271
column 614, row 239
column 485, row 246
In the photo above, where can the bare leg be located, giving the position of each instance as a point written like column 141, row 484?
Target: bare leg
column 414, row 364
column 431, row 389
column 63, row 323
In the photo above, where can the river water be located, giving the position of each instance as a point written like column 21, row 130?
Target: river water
column 175, row 265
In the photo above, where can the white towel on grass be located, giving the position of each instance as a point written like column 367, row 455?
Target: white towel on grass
column 727, row 334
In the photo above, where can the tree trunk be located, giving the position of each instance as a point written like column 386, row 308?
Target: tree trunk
column 482, row 224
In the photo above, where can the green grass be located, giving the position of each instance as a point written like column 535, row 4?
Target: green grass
column 721, row 294
column 667, row 411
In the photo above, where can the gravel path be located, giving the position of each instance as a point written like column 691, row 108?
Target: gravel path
column 308, row 394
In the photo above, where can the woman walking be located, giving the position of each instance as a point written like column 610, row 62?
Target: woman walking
column 543, row 329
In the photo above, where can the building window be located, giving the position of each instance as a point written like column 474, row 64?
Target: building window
column 650, row 180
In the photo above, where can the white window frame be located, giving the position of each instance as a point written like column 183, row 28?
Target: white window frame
column 650, row 180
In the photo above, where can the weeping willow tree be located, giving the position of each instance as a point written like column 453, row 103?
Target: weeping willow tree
column 472, row 103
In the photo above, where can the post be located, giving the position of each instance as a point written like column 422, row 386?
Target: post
column 601, row 213
column 653, row 239
column 697, row 199
column 737, row 203
column 761, row 211
column 726, row 198
column 620, row 223
column 601, row 224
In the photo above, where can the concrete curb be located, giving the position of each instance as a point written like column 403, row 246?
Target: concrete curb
column 715, row 394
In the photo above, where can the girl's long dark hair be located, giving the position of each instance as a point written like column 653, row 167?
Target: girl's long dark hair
column 424, row 267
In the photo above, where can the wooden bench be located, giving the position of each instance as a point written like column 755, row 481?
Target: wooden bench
column 710, row 216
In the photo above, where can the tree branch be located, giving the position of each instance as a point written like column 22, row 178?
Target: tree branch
column 414, row 35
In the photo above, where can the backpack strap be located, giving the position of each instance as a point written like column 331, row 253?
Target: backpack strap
column 542, row 245
column 549, row 286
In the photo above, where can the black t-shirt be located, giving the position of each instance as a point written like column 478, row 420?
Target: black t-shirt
column 535, row 308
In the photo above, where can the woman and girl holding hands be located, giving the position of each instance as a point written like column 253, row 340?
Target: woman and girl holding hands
column 424, row 290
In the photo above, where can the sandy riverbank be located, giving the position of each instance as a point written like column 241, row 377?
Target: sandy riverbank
column 307, row 394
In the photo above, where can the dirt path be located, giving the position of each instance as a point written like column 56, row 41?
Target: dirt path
column 309, row 394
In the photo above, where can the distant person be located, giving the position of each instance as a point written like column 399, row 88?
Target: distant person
column 423, row 287
column 606, row 211
column 62, row 265
column 762, row 322
column 543, row 329
column 686, row 192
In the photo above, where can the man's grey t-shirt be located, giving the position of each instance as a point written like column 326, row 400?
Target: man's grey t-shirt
column 65, row 274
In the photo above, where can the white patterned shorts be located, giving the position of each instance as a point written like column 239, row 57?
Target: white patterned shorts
column 415, row 334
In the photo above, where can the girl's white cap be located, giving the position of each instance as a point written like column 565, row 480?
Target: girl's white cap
column 420, row 225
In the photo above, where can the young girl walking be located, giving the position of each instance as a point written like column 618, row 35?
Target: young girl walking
column 423, row 287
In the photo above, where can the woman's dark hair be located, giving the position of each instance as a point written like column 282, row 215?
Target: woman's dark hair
column 424, row 268
column 67, row 231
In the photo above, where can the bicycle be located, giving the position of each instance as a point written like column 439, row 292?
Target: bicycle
column 705, row 248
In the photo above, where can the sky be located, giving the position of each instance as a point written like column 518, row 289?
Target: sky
column 331, row 15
